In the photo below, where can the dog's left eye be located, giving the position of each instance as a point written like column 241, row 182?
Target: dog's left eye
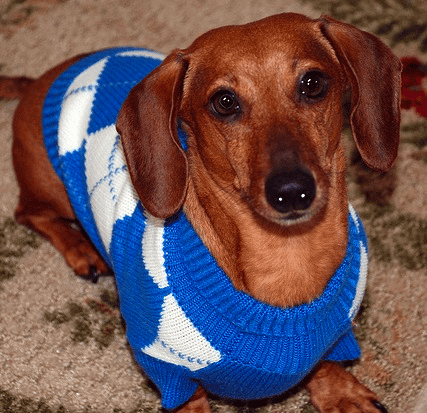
column 224, row 103
column 313, row 85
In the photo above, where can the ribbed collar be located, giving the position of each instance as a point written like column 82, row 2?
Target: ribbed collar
column 196, row 270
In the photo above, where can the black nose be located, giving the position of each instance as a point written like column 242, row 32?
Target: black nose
column 290, row 191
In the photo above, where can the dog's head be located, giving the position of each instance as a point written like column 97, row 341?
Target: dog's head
column 261, row 106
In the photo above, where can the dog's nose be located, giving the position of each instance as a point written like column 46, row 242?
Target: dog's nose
column 290, row 191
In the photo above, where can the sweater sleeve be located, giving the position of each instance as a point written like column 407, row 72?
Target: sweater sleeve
column 174, row 382
column 346, row 348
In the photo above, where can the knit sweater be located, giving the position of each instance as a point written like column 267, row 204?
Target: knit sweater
column 185, row 321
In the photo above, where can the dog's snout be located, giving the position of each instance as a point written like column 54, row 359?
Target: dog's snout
column 290, row 191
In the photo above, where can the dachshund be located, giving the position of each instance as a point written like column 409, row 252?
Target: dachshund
column 238, row 138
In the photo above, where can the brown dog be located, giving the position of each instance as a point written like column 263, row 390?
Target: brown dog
column 263, row 179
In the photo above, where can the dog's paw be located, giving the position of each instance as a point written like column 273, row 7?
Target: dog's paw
column 353, row 406
column 86, row 261
column 333, row 389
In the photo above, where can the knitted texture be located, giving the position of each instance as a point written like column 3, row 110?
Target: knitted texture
column 185, row 321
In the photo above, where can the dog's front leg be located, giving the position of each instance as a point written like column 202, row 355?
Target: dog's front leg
column 197, row 404
column 333, row 389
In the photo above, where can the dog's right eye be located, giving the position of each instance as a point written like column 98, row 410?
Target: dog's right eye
column 313, row 85
column 224, row 103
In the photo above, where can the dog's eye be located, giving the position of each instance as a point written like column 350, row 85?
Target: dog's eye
column 224, row 103
column 313, row 85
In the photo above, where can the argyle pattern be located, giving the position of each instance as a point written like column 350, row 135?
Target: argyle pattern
column 185, row 321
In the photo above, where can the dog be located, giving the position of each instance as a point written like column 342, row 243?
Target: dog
column 212, row 183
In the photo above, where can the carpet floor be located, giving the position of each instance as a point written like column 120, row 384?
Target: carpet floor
column 62, row 343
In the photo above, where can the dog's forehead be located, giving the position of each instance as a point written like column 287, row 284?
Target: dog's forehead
column 283, row 43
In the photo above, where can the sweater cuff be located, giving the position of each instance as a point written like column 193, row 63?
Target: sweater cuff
column 346, row 348
column 175, row 385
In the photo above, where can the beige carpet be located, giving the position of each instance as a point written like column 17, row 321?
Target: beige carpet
column 62, row 345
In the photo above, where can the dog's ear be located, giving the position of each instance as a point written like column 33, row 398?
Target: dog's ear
column 147, row 124
column 374, row 73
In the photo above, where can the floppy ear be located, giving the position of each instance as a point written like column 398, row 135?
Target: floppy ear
column 147, row 124
column 374, row 75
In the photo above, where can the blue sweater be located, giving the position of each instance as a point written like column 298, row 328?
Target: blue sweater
column 185, row 321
